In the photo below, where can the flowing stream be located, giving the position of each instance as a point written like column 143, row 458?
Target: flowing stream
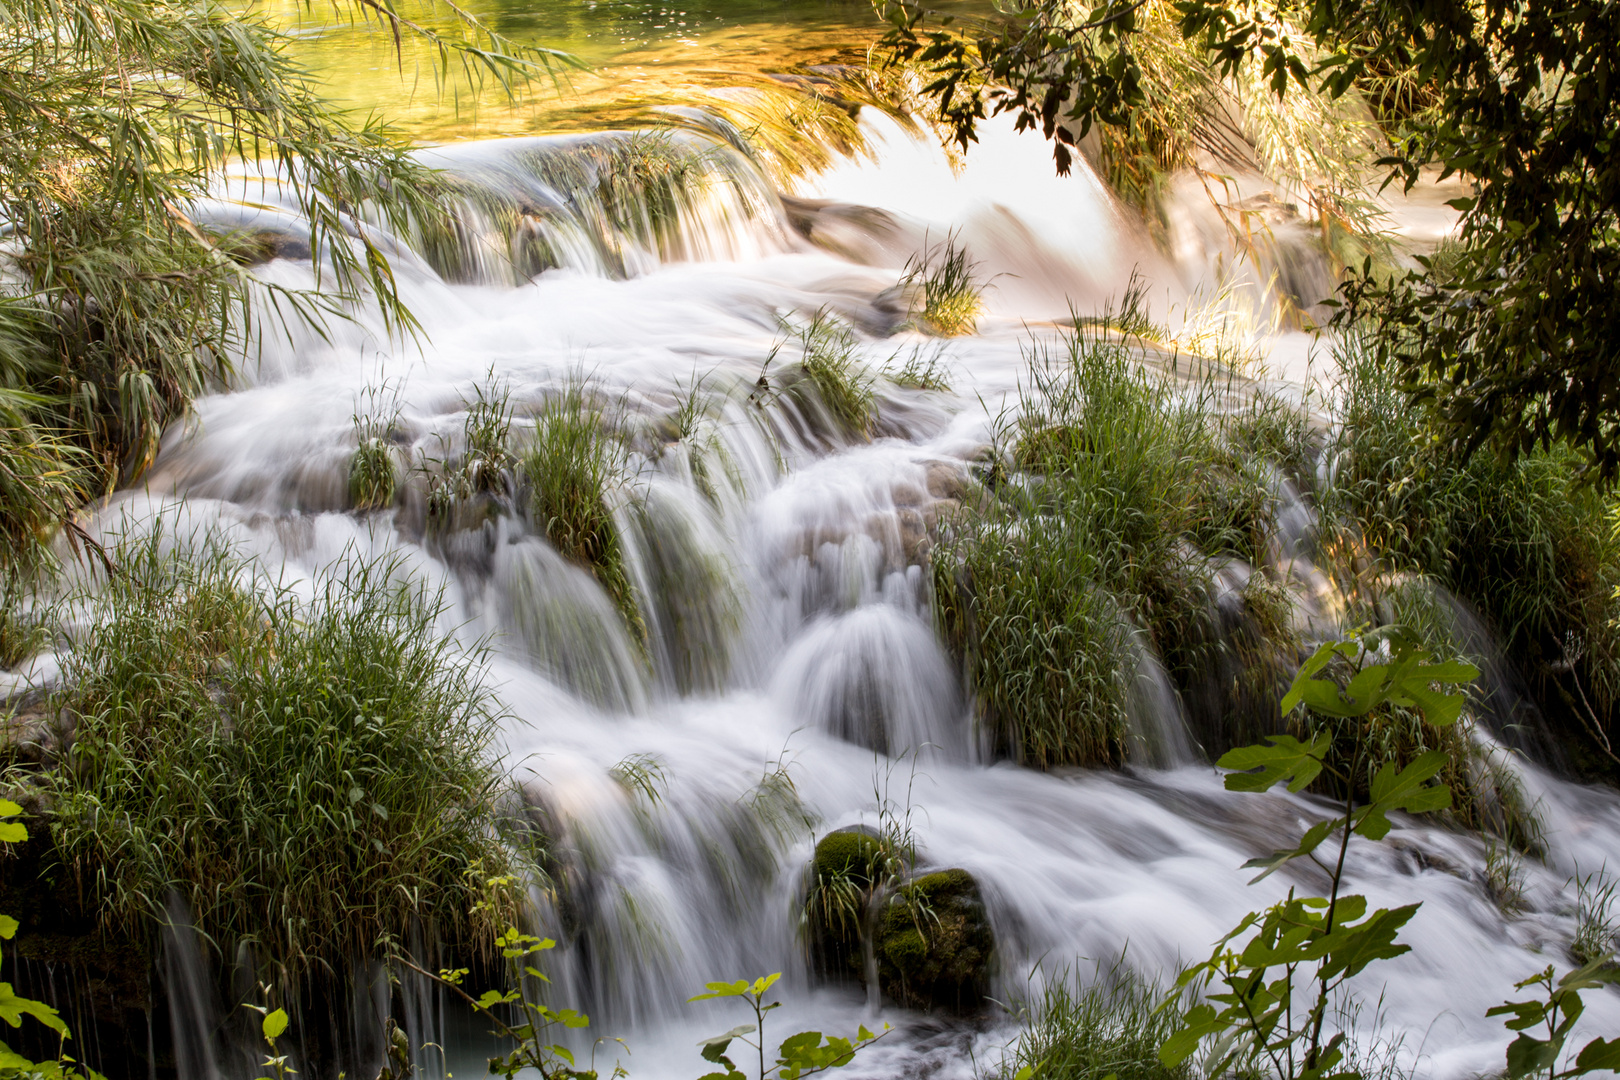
column 788, row 618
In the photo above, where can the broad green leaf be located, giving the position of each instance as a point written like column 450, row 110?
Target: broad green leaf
column 8, row 927
column 274, row 1024
column 1596, row 972
column 1527, row 1056
column 1200, row 1020
column 1526, row 1014
column 722, row 989
column 1403, row 790
column 1286, row 759
column 1599, row 1054
column 1372, row 940
column 714, row 1048
column 13, row 832
column 9, row 808
column 14, row 1008
column 1308, row 843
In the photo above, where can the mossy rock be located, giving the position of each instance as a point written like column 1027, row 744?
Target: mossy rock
column 835, row 947
column 934, row 944
column 850, row 851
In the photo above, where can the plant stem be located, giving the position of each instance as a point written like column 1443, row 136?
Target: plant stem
column 1320, row 1008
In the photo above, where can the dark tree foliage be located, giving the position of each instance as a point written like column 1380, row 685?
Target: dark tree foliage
column 1515, row 343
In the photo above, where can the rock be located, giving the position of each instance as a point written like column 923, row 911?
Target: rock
column 851, row 850
column 32, row 731
column 948, row 480
column 934, row 944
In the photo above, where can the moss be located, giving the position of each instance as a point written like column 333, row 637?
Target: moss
column 848, row 852
column 934, row 943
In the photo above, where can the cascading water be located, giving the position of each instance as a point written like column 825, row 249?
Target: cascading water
column 786, row 666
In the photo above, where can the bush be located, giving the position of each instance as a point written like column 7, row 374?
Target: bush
column 307, row 778
column 1526, row 543
column 1127, row 487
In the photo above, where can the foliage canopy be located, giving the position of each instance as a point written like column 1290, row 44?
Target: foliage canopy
column 1522, row 101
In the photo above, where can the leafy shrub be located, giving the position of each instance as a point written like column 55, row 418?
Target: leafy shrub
column 1525, row 542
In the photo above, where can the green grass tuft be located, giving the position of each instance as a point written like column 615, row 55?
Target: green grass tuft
column 950, row 289
column 840, row 382
column 21, row 636
column 1124, row 485
column 307, row 777
column 1112, row 1027
column 921, row 372
column 573, row 468
column 373, row 476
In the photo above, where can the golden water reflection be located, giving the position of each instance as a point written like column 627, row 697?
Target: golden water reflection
column 640, row 54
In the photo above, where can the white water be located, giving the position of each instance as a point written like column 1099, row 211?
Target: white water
column 816, row 611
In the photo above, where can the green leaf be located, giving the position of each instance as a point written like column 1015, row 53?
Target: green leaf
column 1308, row 843
column 1403, row 790
column 1599, row 1054
column 1200, row 1021
column 1527, row 1056
column 274, row 1024
column 9, row 808
column 13, row 832
column 1286, row 759
column 714, row 1048
column 8, row 927
column 722, row 989
column 14, row 1008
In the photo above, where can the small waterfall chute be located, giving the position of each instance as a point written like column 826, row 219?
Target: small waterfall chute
column 567, row 626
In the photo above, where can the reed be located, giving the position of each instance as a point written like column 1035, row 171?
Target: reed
column 1113, row 1026
column 1527, row 543
column 308, row 777
column 574, row 468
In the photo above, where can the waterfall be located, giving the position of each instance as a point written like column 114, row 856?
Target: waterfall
column 778, row 658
